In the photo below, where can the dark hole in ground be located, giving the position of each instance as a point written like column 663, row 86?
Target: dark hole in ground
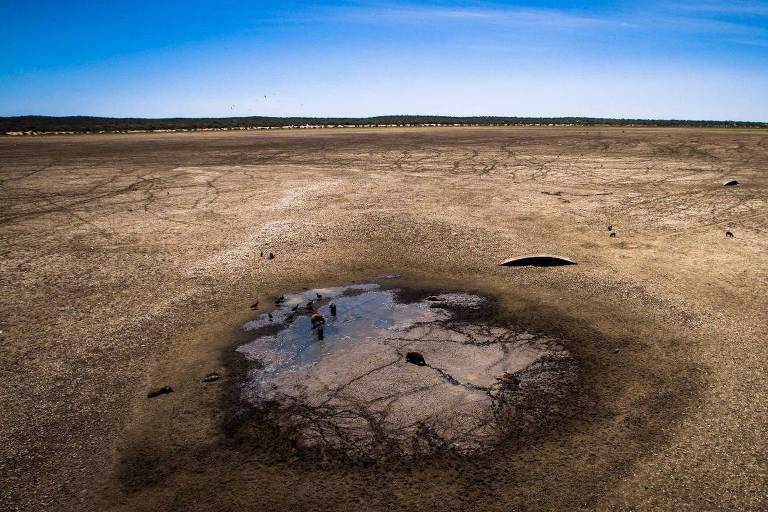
column 731, row 183
column 538, row 260
column 415, row 358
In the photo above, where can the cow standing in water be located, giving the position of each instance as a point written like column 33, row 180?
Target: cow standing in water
column 318, row 321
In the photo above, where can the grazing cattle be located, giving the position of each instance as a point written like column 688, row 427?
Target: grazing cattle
column 613, row 235
column 610, row 228
column 333, row 309
column 729, row 234
column 160, row 391
column 271, row 256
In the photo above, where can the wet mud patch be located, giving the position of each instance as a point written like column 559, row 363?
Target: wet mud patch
column 214, row 441
column 373, row 372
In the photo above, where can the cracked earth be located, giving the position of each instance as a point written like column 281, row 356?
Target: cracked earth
column 129, row 262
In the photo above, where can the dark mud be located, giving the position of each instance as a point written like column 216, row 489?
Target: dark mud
column 350, row 390
column 249, row 441
column 353, row 396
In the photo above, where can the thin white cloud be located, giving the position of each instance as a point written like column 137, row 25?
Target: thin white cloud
column 676, row 18
column 726, row 8
column 761, row 43
column 705, row 25
column 531, row 17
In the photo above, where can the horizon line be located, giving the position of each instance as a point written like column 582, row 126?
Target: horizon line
column 380, row 116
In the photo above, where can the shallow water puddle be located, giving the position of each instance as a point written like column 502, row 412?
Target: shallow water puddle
column 354, row 391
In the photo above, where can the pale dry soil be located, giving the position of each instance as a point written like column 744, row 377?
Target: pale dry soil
column 128, row 262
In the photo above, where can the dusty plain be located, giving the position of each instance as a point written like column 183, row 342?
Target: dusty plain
column 128, row 262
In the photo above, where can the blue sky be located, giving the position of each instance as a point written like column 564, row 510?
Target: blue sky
column 692, row 59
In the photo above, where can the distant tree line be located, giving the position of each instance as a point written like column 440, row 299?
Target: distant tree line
column 87, row 124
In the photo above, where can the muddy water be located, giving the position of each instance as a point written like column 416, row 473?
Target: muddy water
column 352, row 390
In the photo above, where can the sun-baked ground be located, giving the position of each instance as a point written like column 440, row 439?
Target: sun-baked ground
column 129, row 261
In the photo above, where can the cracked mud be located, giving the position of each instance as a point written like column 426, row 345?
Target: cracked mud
column 128, row 259
column 354, row 393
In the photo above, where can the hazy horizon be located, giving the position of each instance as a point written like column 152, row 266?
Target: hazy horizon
column 698, row 60
column 500, row 117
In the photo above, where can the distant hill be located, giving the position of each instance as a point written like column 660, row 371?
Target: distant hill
column 86, row 124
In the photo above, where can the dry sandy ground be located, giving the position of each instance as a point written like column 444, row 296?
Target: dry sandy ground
column 128, row 262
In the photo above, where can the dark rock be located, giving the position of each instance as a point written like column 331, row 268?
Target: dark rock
column 415, row 358
column 509, row 379
column 212, row 377
column 160, row 391
column 538, row 260
column 333, row 309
